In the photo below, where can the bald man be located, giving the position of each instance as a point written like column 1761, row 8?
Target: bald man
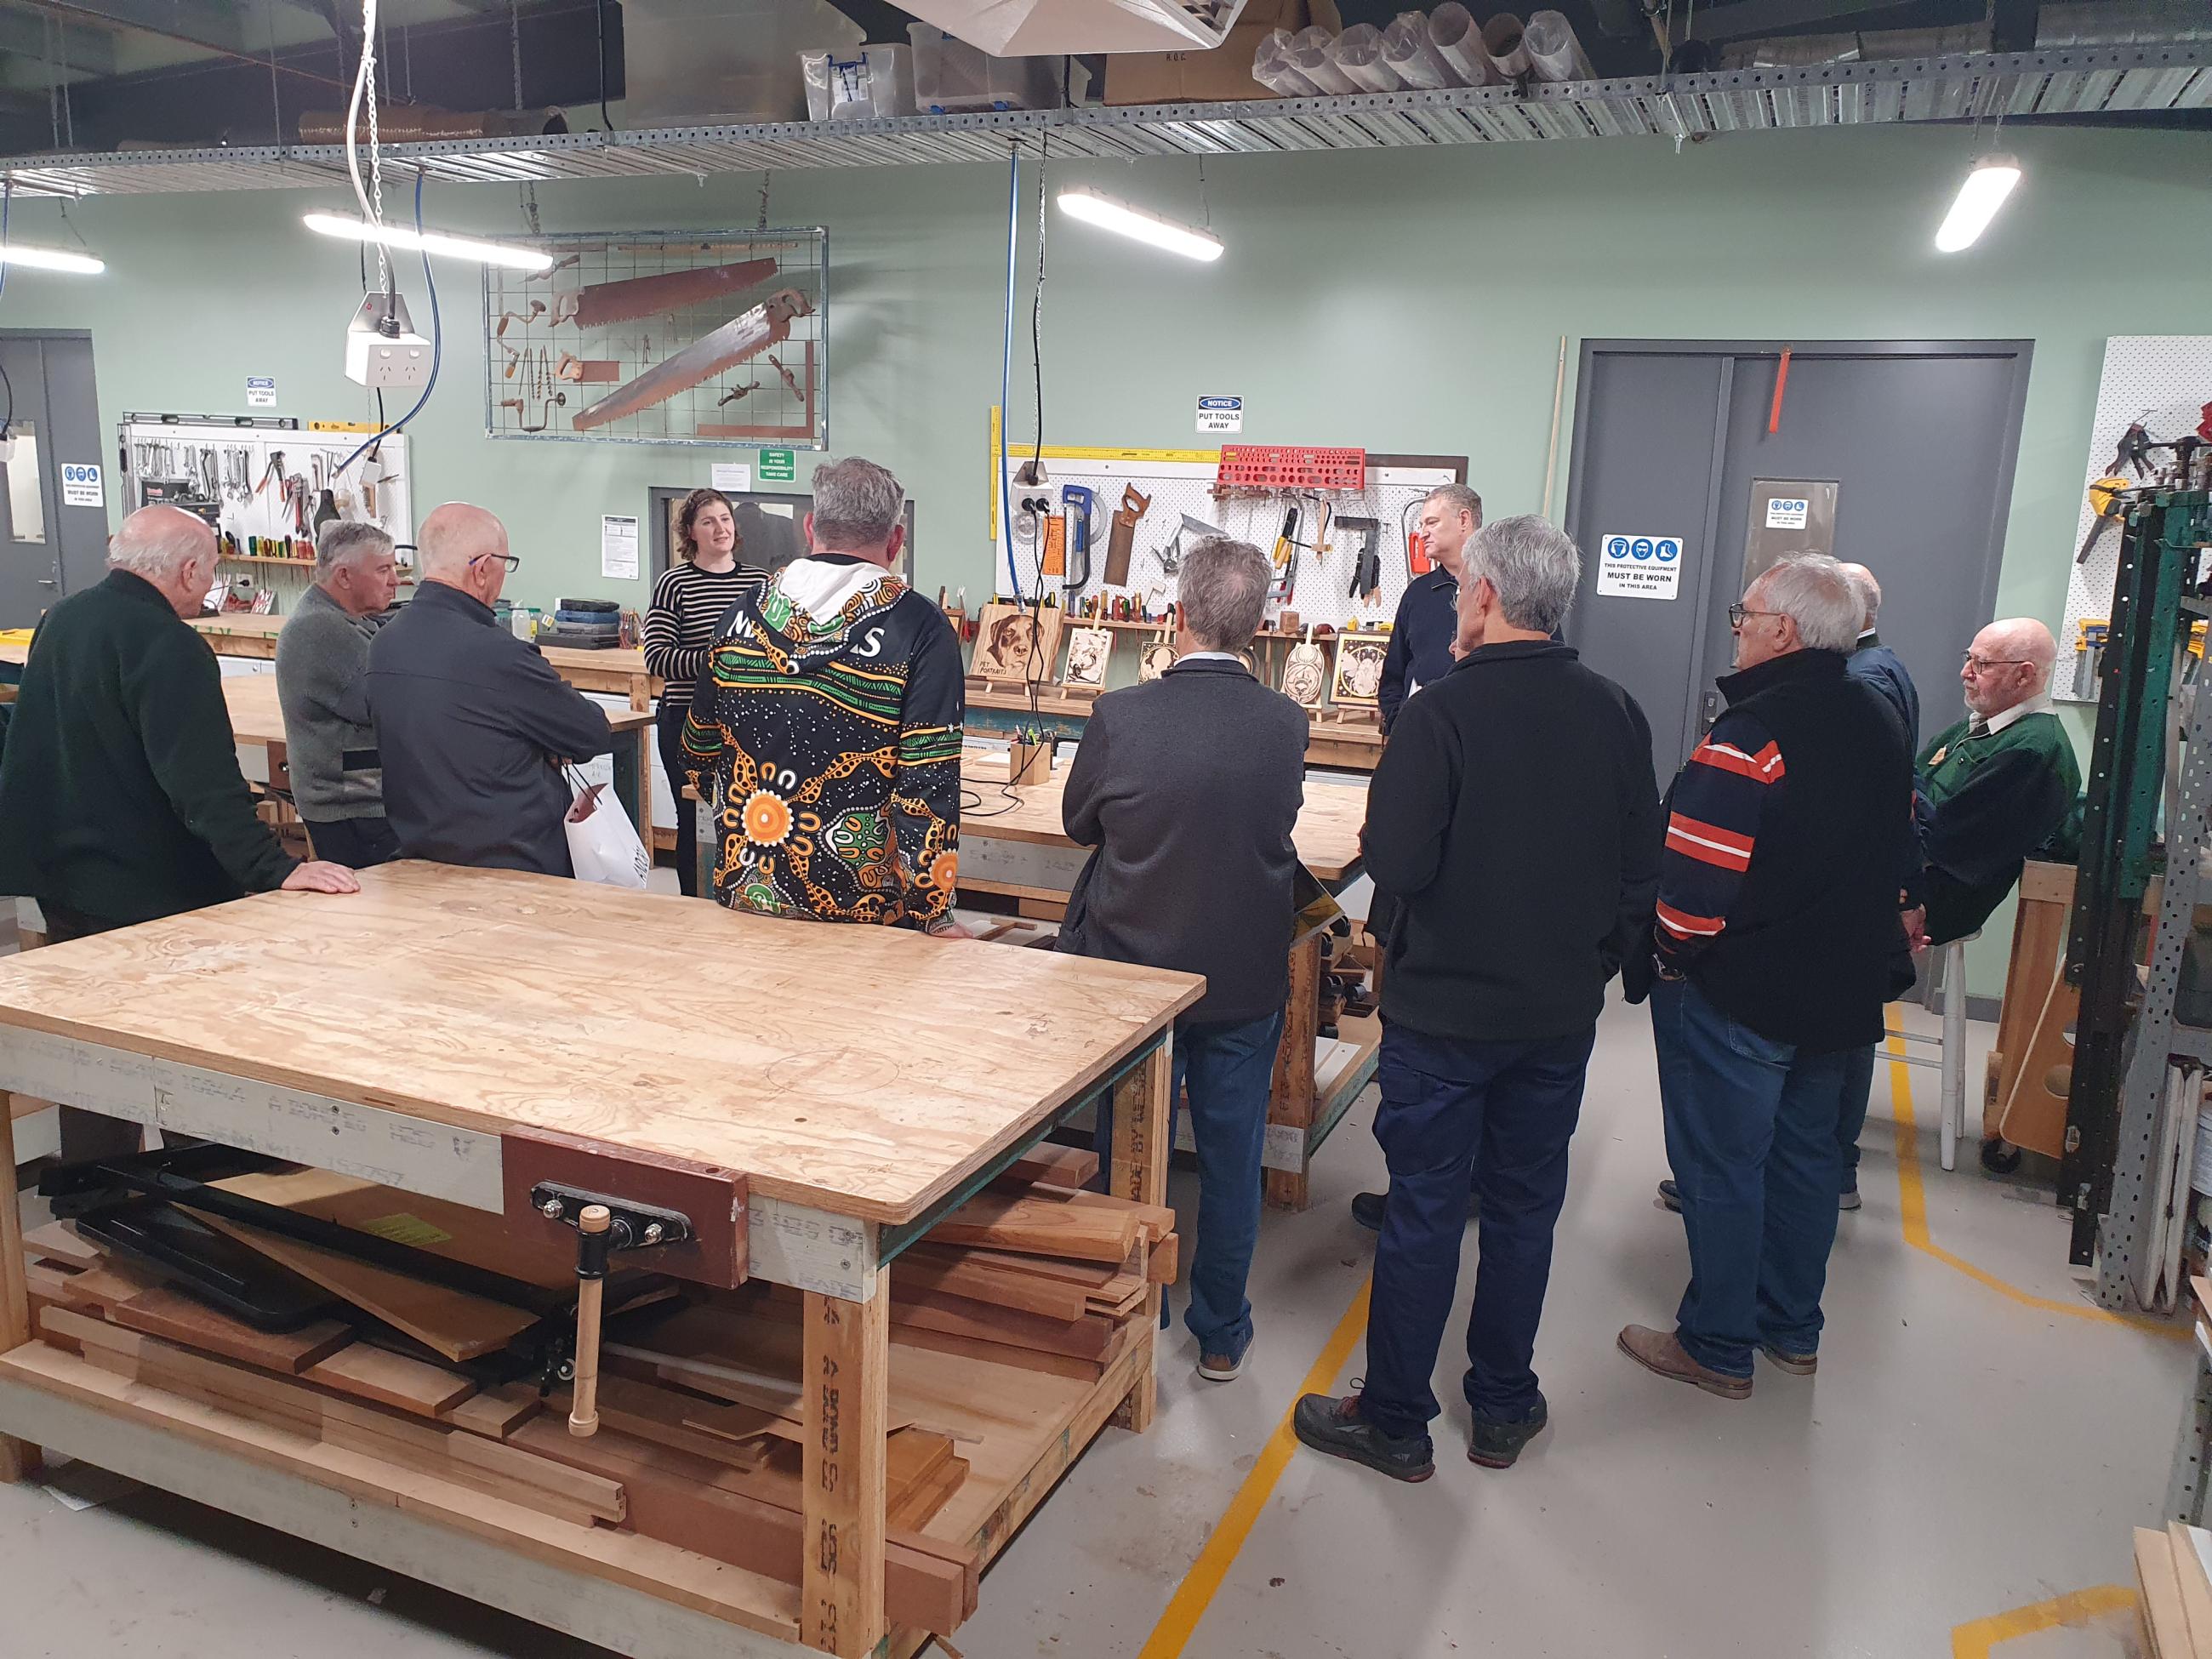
column 472, row 724
column 120, row 796
column 1874, row 664
column 1998, row 786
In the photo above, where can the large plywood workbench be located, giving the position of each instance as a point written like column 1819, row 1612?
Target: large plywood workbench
column 1014, row 844
column 461, row 1034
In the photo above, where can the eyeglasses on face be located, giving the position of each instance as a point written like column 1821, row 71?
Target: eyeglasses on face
column 512, row 560
column 1738, row 611
column 1982, row 664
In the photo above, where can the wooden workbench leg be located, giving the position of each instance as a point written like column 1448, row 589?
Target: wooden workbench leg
column 848, row 1378
column 1143, row 1135
column 17, row 1457
column 1290, row 1101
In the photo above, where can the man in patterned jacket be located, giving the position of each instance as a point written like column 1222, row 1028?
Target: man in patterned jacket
column 824, row 735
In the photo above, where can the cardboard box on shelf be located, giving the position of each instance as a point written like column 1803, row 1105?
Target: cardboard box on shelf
column 1220, row 77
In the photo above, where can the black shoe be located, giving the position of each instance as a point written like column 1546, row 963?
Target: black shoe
column 1999, row 1157
column 1336, row 1426
column 1367, row 1209
column 1495, row 1445
column 1670, row 1196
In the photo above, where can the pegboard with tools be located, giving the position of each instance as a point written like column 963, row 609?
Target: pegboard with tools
column 265, row 482
column 1115, row 522
column 663, row 336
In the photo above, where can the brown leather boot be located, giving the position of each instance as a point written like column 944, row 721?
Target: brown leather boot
column 1663, row 1351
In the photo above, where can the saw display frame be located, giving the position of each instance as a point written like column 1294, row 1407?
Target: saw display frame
column 606, row 306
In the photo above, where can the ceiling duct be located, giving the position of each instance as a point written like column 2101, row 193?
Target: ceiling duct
column 1054, row 28
column 2123, row 23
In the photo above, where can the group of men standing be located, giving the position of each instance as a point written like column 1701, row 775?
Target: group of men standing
column 1521, row 854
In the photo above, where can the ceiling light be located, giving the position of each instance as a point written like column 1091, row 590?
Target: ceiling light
column 458, row 247
column 1110, row 213
column 1979, row 198
column 48, row 258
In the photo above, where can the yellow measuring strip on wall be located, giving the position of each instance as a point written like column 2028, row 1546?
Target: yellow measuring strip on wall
column 1069, row 453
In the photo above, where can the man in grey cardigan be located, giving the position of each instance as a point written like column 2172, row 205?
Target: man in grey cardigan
column 1188, row 788
column 322, row 684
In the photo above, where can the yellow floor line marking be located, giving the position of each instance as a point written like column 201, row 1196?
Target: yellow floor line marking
column 1913, row 1205
column 1975, row 1640
column 1196, row 1592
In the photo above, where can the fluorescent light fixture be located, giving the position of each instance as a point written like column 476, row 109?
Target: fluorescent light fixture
column 48, row 258
column 458, row 247
column 1110, row 213
column 1979, row 198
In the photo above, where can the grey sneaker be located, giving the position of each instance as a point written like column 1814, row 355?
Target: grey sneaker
column 1336, row 1426
column 1850, row 1200
column 1495, row 1445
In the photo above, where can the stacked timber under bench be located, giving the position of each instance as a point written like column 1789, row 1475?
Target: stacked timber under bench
column 896, row 1317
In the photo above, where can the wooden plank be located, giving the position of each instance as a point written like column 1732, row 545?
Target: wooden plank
column 2038, row 940
column 1290, row 1098
column 2165, row 1621
column 711, row 1199
column 1063, row 1166
column 1092, row 1276
column 392, row 1379
column 389, row 1448
column 918, row 1507
column 1038, row 1223
column 108, row 1286
column 1157, row 1219
column 166, row 1312
column 1085, row 1337
column 17, row 1458
column 1144, row 1105
column 496, row 1413
column 1163, row 1263
column 912, row 1456
column 668, row 1418
column 2195, row 1590
column 453, row 1232
column 448, row 996
column 1074, row 1367
column 458, row 1326
column 923, row 1268
column 59, row 1240
column 2033, row 1115
column 845, row 1376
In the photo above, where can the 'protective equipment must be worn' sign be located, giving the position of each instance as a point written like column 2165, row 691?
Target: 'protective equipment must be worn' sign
column 1639, row 566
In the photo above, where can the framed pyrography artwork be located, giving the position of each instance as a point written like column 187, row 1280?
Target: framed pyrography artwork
column 1359, row 656
column 1305, row 674
column 1155, row 660
column 1088, row 648
column 1016, row 642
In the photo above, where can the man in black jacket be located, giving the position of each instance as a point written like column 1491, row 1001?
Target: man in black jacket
column 1515, row 818
column 1188, row 788
column 120, row 796
column 1777, row 933
column 472, row 724
column 1428, row 611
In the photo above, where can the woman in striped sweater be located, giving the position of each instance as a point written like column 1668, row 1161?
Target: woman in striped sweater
column 689, row 599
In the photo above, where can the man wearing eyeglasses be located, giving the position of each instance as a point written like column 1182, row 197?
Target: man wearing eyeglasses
column 1994, row 788
column 472, row 724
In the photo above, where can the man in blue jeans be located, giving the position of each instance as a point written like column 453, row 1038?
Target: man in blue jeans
column 1776, row 930
column 1514, row 817
column 1189, row 787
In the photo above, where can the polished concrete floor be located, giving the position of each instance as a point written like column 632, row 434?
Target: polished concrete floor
column 1977, row 1441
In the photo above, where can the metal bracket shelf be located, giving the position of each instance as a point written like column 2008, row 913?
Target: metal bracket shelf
column 2066, row 82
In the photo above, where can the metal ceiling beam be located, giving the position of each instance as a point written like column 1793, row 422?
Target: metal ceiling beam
column 207, row 23
column 85, row 51
column 1747, row 19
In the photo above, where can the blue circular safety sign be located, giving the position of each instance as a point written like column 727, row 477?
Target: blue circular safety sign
column 1643, row 549
column 1616, row 547
column 1669, row 549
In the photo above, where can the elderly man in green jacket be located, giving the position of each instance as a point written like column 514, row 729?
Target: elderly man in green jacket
column 120, row 796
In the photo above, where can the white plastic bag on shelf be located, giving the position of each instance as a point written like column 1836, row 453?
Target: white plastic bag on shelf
column 603, row 843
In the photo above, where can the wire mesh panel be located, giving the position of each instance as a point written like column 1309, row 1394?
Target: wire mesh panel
column 663, row 336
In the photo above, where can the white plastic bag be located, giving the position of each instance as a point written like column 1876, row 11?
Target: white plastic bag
column 603, row 843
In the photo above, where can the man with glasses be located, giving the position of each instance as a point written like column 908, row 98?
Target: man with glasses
column 1995, row 787
column 472, row 724
column 1776, row 941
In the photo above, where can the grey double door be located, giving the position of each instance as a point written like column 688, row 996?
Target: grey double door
column 53, row 538
column 1896, row 455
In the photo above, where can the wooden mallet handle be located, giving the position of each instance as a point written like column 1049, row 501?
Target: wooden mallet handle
column 584, row 1408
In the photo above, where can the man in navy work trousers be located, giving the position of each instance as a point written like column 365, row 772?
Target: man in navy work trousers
column 1777, row 931
column 1514, row 817
column 1188, row 788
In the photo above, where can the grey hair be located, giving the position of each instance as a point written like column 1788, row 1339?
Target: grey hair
column 347, row 540
column 1462, row 499
column 1224, row 592
column 158, row 542
column 1868, row 590
column 1813, row 591
column 1533, row 567
column 856, row 504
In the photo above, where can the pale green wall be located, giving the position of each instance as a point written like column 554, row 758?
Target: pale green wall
column 1401, row 300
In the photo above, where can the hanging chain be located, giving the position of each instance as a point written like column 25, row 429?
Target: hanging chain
column 762, row 225
column 514, row 45
column 375, row 149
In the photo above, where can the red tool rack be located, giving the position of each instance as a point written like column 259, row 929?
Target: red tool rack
column 1287, row 466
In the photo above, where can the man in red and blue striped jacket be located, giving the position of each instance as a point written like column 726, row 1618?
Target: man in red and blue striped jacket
column 1775, row 936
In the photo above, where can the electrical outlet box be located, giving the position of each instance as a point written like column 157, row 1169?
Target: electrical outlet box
column 382, row 351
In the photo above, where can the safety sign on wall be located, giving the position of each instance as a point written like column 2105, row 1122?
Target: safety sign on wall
column 1220, row 414
column 1785, row 512
column 80, row 485
column 1639, row 566
column 261, row 391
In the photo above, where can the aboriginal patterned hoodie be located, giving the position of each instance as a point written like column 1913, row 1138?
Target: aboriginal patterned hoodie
column 824, row 738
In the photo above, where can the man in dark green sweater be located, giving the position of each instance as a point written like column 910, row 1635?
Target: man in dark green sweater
column 1996, row 787
column 120, row 796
